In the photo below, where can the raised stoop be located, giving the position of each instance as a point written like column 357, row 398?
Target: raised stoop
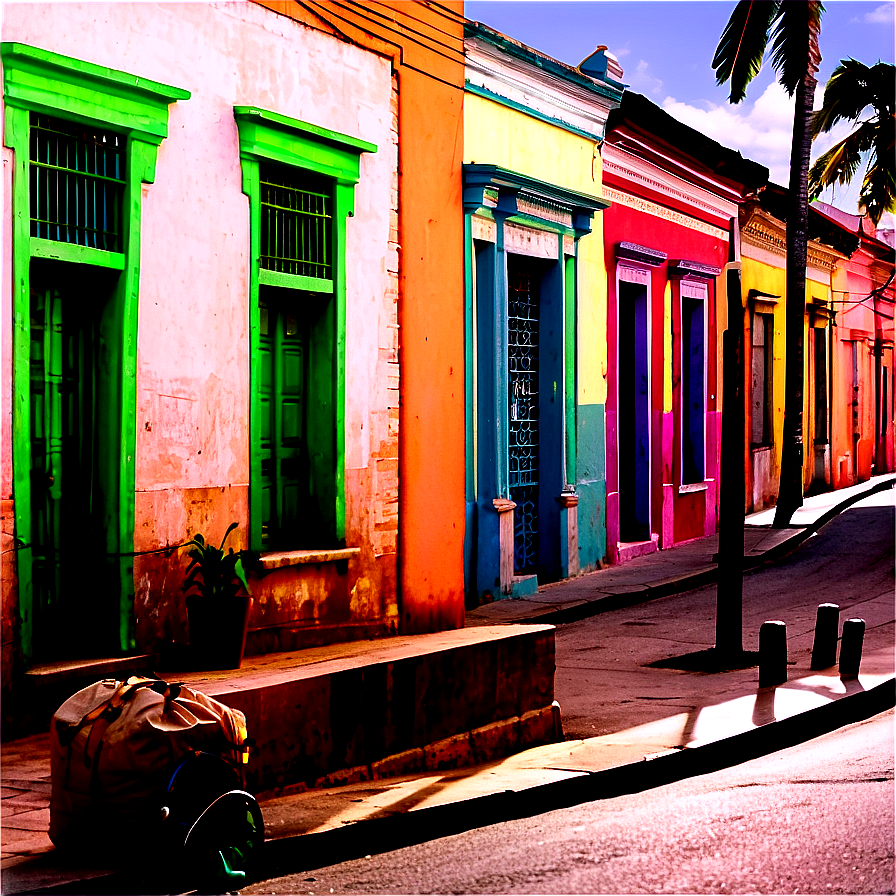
column 371, row 709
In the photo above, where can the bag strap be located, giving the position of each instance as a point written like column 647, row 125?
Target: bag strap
column 106, row 713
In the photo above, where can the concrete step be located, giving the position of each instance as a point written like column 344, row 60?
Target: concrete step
column 45, row 687
column 371, row 709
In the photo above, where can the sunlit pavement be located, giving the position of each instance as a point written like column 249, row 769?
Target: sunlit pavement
column 724, row 729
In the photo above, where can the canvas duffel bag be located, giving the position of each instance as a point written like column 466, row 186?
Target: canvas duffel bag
column 114, row 745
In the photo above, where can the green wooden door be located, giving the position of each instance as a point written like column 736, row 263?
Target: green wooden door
column 283, row 337
column 75, row 601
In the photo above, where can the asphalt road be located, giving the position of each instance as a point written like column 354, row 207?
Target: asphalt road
column 850, row 562
column 816, row 818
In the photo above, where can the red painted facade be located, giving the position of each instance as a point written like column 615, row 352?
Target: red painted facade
column 666, row 232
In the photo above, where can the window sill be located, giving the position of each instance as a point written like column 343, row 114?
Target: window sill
column 692, row 487
column 280, row 559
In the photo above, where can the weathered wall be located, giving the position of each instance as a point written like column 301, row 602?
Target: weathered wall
column 8, row 589
column 425, row 44
column 192, row 451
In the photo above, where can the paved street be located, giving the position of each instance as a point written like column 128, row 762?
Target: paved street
column 816, row 818
column 849, row 563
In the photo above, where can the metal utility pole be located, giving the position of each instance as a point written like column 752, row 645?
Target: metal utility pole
column 729, row 601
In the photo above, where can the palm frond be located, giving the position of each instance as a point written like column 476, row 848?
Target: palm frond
column 795, row 42
column 841, row 162
column 742, row 46
column 878, row 193
column 847, row 94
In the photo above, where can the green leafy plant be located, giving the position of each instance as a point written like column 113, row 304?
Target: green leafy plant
column 213, row 574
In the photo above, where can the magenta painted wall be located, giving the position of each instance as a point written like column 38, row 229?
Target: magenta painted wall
column 675, row 517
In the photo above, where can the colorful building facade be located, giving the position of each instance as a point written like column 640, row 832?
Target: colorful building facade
column 674, row 194
column 861, row 355
column 763, row 240
column 535, row 326
column 424, row 45
column 209, row 338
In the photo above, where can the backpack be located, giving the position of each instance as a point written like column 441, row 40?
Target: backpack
column 114, row 745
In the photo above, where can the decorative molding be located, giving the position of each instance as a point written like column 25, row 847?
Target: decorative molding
column 626, row 273
column 640, row 254
column 544, row 209
column 509, row 193
column 693, row 289
column 485, row 229
column 660, row 211
column 764, row 231
column 686, row 268
column 528, row 241
column 534, row 88
column 630, row 167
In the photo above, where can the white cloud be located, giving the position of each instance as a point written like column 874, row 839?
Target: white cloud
column 643, row 81
column 880, row 15
column 762, row 131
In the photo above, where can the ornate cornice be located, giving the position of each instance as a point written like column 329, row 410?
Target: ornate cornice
column 539, row 90
column 766, row 232
column 638, row 171
column 660, row 211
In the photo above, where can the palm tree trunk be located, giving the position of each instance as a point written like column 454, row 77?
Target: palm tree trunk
column 790, row 489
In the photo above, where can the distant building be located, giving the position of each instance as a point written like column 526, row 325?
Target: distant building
column 862, row 400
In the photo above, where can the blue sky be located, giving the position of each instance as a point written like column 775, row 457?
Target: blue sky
column 666, row 50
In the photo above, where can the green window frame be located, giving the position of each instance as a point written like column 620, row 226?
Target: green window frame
column 37, row 82
column 296, row 328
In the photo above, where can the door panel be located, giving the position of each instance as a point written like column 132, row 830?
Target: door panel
column 75, row 601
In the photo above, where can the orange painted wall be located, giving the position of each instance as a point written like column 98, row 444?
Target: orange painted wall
column 425, row 42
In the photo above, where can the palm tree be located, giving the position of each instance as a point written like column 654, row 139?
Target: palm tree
column 853, row 88
column 793, row 29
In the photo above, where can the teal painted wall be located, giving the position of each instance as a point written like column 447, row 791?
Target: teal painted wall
column 591, row 485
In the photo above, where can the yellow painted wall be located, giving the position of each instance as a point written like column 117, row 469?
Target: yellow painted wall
column 770, row 279
column 497, row 135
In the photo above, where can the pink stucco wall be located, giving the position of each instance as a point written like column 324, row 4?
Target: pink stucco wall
column 192, row 449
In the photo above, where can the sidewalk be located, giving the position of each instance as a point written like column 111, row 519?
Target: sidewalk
column 735, row 721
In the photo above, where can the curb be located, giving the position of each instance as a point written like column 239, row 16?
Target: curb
column 309, row 851
column 690, row 581
column 305, row 852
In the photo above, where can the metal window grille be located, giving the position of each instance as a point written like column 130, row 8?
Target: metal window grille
column 522, row 346
column 76, row 183
column 296, row 213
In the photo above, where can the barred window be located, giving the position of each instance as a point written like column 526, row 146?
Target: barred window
column 296, row 213
column 76, row 182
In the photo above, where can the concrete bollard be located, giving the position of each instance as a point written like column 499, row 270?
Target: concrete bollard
column 851, row 647
column 772, row 653
column 827, row 629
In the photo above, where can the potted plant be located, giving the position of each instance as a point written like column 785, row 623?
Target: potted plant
column 218, row 603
